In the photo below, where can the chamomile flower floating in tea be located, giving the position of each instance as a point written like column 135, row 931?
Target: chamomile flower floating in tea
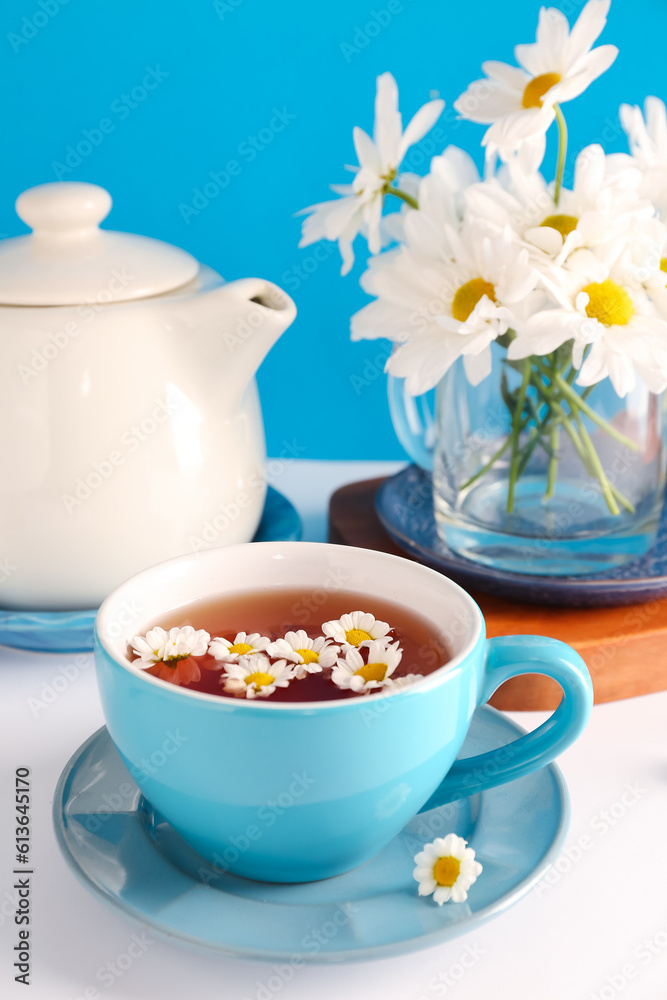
column 175, row 644
column 446, row 868
column 170, row 652
column 275, row 658
column 368, row 668
column 178, row 672
column 355, row 628
column 243, row 645
column 521, row 102
column 309, row 655
column 256, row 676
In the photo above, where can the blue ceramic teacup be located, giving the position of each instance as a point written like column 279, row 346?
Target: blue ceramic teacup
column 292, row 792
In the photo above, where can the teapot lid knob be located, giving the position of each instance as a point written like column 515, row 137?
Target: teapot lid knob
column 60, row 208
column 68, row 259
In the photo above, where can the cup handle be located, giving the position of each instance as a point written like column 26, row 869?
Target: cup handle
column 511, row 656
column 413, row 422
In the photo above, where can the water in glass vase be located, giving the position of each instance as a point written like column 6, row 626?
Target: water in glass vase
column 532, row 474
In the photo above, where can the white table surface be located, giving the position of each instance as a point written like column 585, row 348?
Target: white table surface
column 594, row 929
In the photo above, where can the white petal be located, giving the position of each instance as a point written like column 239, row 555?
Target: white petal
column 373, row 226
column 379, row 319
column 423, row 362
column 656, row 121
column 485, row 101
column 589, row 174
column 443, row 845
column 553, row 32
column 546, row 239
column 421, row 123
column 347, row 255
column 459, row 894
column 513, row 129
column 587, row 29
column 591, row 67
column 509, row 76
column 388, row 125
column 366, row 150
column 477, row 366
column 329, row 220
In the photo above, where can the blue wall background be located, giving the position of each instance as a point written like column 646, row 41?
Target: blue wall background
column 224, row 68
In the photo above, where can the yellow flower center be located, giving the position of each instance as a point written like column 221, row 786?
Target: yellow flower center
column 259, row 679
column 308, row 655
column 565, row 224
column 242, row 648
column 608, row 303
column 537, row 88
column 446, row 871
column 372, row 671
column 468, row 295
column 663, row 263
column 355, row 636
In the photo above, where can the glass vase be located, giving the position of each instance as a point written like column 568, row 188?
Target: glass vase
column 538, row 475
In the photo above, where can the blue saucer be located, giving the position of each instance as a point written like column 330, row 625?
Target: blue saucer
column 72, row 631
column 130, row 857
column 404, row 505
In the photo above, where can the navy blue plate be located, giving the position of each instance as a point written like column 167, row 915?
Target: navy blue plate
column 129, row 856
column 72, row 631
column 404, row 505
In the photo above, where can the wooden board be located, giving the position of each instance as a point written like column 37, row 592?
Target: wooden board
column 624, row 648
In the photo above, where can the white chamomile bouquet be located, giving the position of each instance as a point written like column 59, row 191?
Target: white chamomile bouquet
column 570, row 282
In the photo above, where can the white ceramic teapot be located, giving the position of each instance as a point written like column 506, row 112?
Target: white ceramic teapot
column 129, row 415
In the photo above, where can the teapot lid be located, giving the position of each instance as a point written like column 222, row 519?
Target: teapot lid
column 69, row 260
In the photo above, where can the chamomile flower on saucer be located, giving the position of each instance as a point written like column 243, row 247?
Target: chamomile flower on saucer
column 176, row 644
column 361, row 674
column 310, row 656
column 518, row 103
column 244, row 644
column 355, row 628
column 446, row 868
column 255, row 676
column 359, row 209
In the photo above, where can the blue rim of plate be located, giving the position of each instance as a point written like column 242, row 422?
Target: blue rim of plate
column 72, row 631
column 404, row 505
column 133, row 861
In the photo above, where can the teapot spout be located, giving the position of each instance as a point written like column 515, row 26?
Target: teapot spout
column 242, row 320
column 256, row 312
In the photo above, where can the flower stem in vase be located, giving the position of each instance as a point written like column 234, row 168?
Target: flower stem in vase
column 514, row 436
column 553, row 462
column 580, row 403
column 554, row 442
column 596, row 466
